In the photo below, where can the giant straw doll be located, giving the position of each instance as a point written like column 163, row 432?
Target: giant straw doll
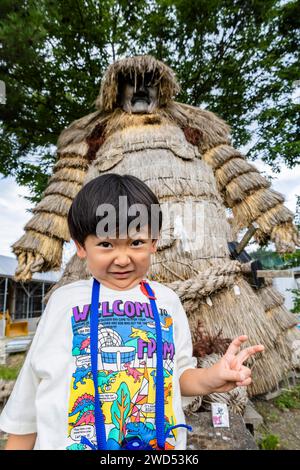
column 184, row 154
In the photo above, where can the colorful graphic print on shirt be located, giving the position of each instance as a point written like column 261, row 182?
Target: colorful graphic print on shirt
column 126, row 374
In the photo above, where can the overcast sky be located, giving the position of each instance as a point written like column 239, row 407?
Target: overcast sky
column 14, row 207
column 14, row 215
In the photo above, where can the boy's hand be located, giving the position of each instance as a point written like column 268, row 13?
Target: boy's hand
column 229, row 372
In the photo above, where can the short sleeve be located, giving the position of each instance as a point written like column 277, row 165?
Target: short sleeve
column 183, row 342
column 19, row 414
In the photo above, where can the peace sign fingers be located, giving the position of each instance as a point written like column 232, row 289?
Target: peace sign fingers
column 235, row 345
column 248, row 352
column 237, row 357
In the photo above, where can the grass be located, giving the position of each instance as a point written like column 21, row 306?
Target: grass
column 9, row 373
column 272, row 417
column 269, row 442
column 11, row 369
column 289, row 399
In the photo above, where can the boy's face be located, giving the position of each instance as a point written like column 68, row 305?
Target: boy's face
column 118, row 263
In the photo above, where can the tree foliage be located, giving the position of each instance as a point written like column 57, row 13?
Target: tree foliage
column 272, row 260
column 237, row 58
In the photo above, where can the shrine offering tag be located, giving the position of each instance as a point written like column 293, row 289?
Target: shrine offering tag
column 220, row 416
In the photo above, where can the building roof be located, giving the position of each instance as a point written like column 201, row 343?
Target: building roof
column 8, row 267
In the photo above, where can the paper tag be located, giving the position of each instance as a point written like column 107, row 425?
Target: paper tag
column 220, row 416
column 236, row 290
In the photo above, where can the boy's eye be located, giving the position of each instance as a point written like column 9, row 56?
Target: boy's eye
column 137, row 242
column 109, row 245
column 104, row 244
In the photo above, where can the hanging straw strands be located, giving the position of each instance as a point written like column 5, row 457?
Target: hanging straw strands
column 232, row 313
column 164, row 76
column 54, row 204
column 250, row 198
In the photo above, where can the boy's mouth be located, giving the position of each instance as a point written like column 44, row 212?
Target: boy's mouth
column 121, row 274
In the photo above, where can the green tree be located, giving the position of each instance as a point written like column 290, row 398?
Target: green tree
column 237, row 58
column 296, row 300
column 272, row 260
column 268, row 258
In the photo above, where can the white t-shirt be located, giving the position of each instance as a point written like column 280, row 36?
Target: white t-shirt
column 54, row 393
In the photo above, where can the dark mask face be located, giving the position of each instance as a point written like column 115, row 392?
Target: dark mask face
column 143, row 99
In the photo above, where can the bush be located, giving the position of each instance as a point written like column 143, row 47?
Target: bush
column 269, row 442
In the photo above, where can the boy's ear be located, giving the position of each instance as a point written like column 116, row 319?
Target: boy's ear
column 154, row 245
column 81, row 253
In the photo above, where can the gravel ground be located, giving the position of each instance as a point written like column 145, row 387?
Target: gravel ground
column 284, row 424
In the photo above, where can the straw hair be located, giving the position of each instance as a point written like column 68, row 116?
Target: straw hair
column 168, row 86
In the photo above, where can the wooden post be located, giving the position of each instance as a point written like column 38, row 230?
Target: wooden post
column 272, row 273
column 246, row 238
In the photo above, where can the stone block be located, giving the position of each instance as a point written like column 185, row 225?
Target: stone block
column 205, row 437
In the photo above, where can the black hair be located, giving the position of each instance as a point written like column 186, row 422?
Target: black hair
column 106, row 189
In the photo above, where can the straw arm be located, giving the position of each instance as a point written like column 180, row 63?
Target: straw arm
column 40, row 248
column 251, row 199
column 36, row 252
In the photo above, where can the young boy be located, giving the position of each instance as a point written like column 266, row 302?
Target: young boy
column 112, row 355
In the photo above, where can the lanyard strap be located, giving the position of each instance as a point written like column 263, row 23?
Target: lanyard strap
column 99, row 418
column 159, row 402
column 159, row 397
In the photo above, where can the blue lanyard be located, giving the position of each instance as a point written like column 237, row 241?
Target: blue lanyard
column 159, row 399
column 161, row 436
column 99, row 418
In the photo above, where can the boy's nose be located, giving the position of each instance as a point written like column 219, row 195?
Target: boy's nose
column 122, row 260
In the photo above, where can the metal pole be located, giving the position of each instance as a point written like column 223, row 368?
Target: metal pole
column 43, row 295
column 28, row 298
column 4, row 306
